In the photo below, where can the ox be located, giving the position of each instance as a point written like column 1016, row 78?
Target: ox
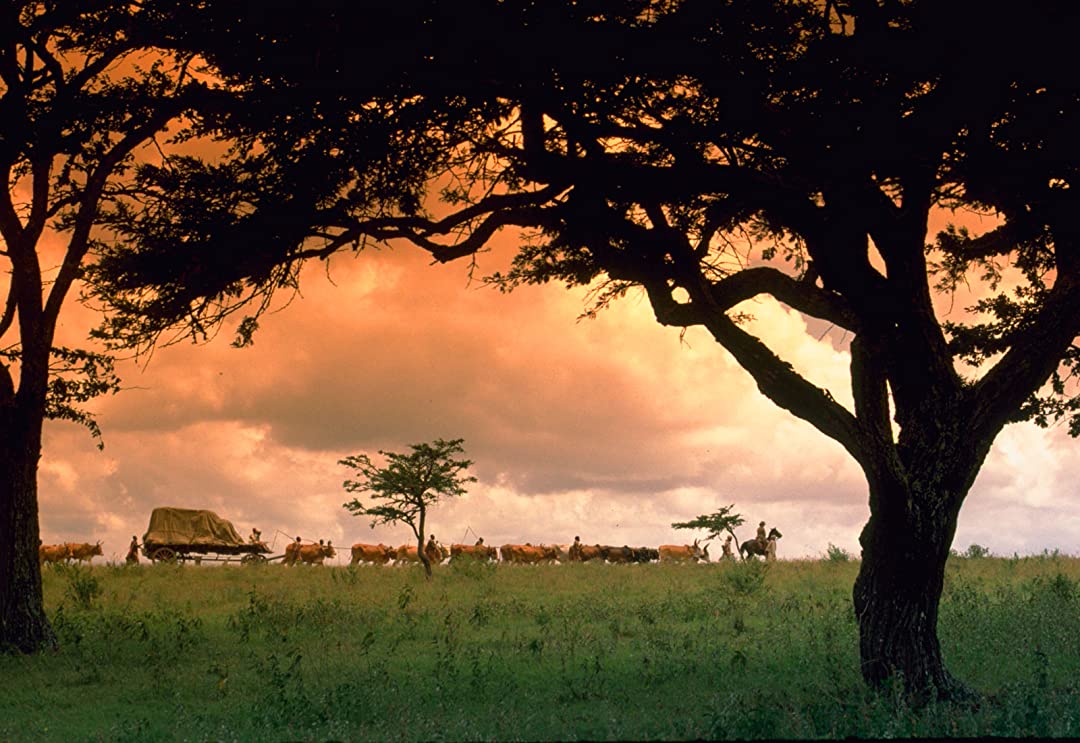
column 53, row 553
column 407, row 553
column 645, row 554
column 473, row 552
column 585, row 552
column 683, row 553
column 84, row 551
column 617, row 554
column 309, row 554
column 378, row 554
column 528, row 554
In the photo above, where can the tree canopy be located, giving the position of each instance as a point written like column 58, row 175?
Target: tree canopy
column 759, row 148
column 708, row 153
column 723, row 521
column 87, row 93
column 702, row 153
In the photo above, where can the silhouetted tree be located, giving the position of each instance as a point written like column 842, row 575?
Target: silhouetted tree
column 103, row 108
column 710, row 153
column 723, row 521
column 76, row 105
column 408, row 485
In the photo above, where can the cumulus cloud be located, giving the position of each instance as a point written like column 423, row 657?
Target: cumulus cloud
column 610, row 429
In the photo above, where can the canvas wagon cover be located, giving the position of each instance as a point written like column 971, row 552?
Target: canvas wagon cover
column 190, row 526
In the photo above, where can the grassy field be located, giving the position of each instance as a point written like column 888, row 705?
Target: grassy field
column 486, row 652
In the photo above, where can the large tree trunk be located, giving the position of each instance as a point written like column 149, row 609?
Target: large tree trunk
column 905, row 546
column 23, row 624
column 896, row 601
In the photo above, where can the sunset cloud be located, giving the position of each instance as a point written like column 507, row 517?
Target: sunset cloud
column 610, row 428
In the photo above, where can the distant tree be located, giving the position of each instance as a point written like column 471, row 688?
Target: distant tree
column 976, row 552
column 787, row 149
column 408, row 485
column 723, row 521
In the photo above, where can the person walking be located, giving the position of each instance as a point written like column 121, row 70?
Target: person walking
column 574, row 552
column 431, row 549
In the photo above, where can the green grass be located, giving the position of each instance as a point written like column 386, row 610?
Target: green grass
column 527, row 653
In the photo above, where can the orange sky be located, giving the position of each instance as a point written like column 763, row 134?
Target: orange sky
column 610, row 429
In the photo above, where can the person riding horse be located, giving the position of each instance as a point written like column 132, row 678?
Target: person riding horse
column 761, row 547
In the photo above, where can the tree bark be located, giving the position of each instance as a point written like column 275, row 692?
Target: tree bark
column 423, row 557
column 896, row 596
column 420, row 537
column 24, row 626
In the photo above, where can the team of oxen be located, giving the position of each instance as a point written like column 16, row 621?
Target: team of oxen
column 68, row 552
column 381, row 554
column 308, row 554
column 528, row 554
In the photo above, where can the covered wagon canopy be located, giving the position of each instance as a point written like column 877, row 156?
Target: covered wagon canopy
column 189, row 526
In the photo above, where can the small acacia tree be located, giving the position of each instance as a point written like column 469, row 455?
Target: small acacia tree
column 408, row 485
column 723, row 521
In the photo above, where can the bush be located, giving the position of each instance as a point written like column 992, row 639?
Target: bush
column 82, row 587
column 746, row 578
column 976, row 552
column 837, row 554
column 473, row 569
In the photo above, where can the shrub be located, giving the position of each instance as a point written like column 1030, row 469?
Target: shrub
column 746, row 578
column 82, row 587
column 473, row 569
column 836, row 554
column 976, row 552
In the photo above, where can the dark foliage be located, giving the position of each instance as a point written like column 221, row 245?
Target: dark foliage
column 705, row 153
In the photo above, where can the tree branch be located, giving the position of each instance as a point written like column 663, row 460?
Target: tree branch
column 9, row 307
column 1030, row 361
column 775, row 378
column 52, row 65
column 869, row 389
column 11, row 227
column 622, row 177
column 1001, row 240
column 803, row 296
column 778, row 380
column 751, row 282
column 503, row 210
column 7, row 385
column 39, row 201
column 88, row 207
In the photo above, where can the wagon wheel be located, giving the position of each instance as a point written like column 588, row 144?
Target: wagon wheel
column 252, row 559
column 163, row 554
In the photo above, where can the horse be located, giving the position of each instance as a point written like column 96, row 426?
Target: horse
column 755, row 547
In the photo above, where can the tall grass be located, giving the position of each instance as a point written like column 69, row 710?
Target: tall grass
column 567, row 652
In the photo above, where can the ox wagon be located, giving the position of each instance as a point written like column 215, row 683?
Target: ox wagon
column 178, row 534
